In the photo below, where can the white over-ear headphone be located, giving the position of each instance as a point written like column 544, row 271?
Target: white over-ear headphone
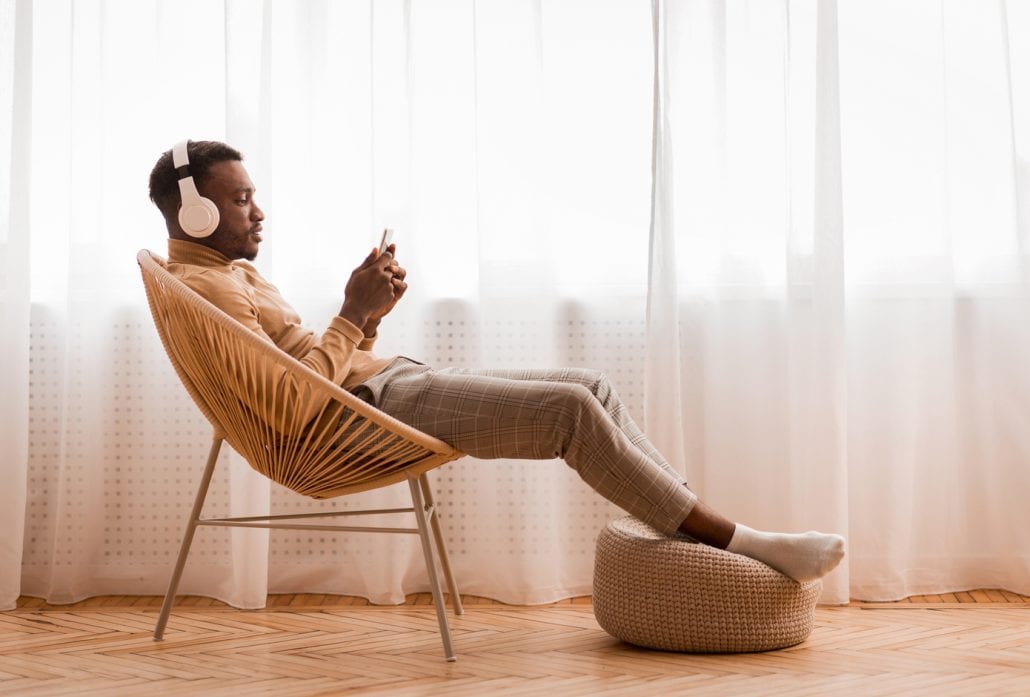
column 198, row 216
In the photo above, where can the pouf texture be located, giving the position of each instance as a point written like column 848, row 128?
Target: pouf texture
column 675, row 594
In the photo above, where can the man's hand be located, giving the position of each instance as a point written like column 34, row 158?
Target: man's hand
column 373, row 290
column 398, row 274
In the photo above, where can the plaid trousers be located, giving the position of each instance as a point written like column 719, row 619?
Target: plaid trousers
column 572, row 413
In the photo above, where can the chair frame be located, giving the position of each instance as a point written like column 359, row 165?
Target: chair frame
column 423, row 504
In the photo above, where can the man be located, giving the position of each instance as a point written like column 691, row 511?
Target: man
column 572, row 414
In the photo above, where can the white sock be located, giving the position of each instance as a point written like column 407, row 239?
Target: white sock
column 803, row 557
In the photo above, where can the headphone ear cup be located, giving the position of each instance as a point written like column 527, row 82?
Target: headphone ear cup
column 198, row 216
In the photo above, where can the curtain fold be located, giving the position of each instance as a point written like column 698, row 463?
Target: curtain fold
column 723, row 300
column 248, row 98
column 792, row 233
column 15, row 110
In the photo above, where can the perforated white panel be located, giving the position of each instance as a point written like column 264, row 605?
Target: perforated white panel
column 117, row 448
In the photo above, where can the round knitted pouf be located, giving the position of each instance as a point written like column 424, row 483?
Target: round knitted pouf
column 675, row 594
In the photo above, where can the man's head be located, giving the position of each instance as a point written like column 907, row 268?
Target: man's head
column 219, row 175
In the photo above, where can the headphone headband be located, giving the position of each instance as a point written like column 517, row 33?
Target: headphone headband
column 180, row 155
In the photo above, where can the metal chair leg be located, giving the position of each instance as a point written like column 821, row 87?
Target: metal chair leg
column 187, row 540
column 441, row 546
column 422, row 511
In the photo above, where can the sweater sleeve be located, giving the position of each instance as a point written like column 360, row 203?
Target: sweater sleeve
column 275, row 394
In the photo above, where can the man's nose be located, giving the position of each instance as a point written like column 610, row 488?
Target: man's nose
column 256, row 213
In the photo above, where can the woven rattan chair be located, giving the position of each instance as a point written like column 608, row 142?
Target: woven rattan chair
column 293, row 426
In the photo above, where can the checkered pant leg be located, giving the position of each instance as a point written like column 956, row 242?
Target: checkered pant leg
column 574, row 415
column 601, row 387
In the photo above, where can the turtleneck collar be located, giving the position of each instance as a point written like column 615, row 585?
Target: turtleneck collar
column 185, row 252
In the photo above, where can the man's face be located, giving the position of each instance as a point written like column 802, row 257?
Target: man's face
column 239, row 227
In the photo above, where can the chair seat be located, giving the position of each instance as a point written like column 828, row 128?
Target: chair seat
column 675, row 594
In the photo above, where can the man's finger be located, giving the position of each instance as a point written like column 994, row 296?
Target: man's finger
column 370, row 259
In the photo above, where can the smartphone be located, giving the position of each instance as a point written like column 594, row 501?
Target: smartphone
column 385, row 242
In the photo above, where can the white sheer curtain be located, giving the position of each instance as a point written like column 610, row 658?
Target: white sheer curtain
column 798, row 253
column 507, row 144
column 838, row 299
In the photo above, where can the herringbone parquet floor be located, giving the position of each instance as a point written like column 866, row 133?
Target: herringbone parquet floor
column 307, row 645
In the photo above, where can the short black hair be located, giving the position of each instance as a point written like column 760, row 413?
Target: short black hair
column 164, row 182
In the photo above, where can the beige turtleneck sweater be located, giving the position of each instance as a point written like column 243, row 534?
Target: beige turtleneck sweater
column 342, row 354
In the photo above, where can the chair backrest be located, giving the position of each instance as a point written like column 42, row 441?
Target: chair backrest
column 290, row 423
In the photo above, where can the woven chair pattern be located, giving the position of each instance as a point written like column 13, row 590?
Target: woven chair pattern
column 290, row 423
column 675, row 594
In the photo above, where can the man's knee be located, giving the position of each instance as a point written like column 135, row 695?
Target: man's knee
column 602, row 386
column 599, row 385
column 581, row 406
column 572, row 410
column 568, row 404
column 593, row 380
column 571, row 396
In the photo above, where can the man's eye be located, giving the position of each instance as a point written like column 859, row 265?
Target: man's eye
column 241, row 202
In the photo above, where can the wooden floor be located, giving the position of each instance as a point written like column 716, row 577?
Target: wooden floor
column 975, row 643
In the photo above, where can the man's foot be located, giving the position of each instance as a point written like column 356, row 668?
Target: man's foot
column 803, row 557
